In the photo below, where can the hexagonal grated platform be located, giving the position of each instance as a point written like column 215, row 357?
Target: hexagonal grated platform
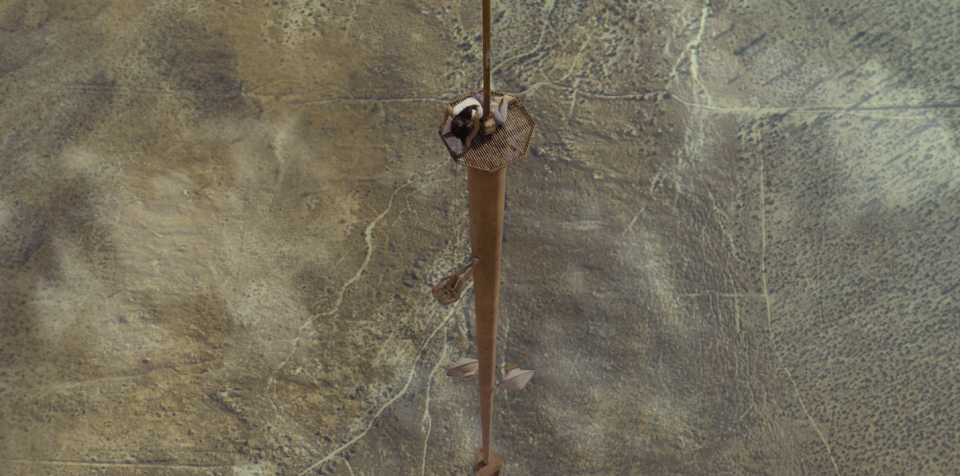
column 507, row 145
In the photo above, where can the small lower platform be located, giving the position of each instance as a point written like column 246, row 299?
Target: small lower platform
column 491, row 469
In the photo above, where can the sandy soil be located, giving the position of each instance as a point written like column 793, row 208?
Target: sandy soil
column 732, row 249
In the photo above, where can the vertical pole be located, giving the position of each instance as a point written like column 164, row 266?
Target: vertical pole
column 486, row 241
column 486, row 60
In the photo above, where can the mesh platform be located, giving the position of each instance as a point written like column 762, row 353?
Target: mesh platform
column 507, row 145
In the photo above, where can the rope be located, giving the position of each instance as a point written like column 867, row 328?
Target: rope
column 486, row 60
column 453, row 218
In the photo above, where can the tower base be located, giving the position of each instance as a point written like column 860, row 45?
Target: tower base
column 491, row 469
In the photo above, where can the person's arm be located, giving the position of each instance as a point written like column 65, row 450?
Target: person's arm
column 476, row 128
column 447, row 113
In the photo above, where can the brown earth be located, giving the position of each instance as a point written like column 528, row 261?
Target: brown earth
column 733, row 248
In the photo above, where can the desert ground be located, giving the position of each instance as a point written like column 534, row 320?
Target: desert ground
column 731, row 250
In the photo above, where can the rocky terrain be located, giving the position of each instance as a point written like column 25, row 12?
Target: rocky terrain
column 732, row 249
